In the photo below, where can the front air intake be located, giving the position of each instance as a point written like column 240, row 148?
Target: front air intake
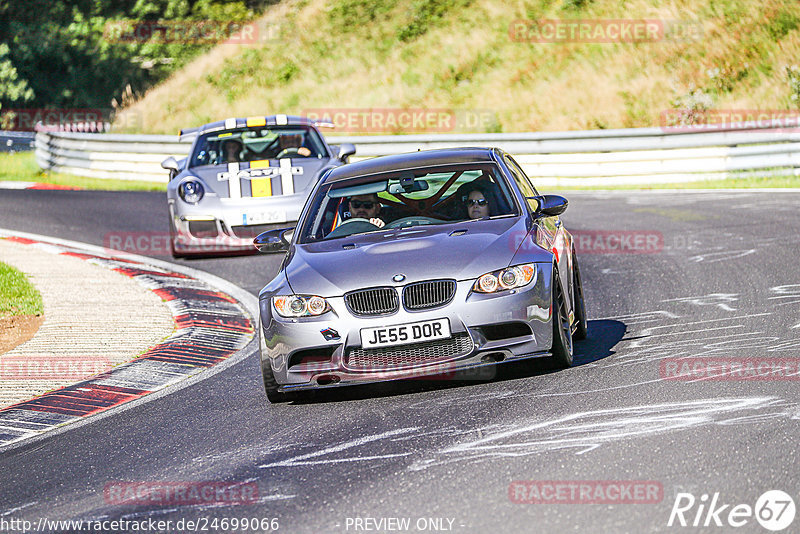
column 429, row 294
column 374, row 301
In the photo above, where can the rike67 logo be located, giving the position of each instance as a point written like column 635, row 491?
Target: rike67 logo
column 774, row 510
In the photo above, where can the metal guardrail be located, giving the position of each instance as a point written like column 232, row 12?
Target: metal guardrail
column 597, row 157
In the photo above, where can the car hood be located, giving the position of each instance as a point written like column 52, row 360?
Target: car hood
column 306, row 172
column 456, row 251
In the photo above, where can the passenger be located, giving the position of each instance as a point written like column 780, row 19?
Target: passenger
column 477, row 204
column 367, row 207
column 231, row 149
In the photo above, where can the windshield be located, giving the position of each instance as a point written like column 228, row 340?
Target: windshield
column 253, row 144
column 401, row 199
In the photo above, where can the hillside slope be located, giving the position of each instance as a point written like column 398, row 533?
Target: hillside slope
column 468, row 56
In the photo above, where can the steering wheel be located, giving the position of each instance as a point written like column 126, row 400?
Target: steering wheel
column 286, row 151
column 414, row 220
column 354, row 219
column 363, row 226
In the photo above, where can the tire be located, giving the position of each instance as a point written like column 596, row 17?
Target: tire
column 270, row 384
column 562, row 330
column 172, row 250
column 581, row 321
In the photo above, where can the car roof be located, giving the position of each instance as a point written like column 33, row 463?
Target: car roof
column 411, row 160
column 245, row 122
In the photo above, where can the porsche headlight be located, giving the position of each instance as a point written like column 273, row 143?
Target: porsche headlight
column 300, row 306
column 191, row 191
column 509, row 278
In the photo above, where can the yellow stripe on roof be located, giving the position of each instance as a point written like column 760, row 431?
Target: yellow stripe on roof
column 256, row 121
column 259, row 164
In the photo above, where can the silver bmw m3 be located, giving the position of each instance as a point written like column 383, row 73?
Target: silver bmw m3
column 415, row 265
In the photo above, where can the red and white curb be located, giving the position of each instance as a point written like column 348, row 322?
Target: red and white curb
column 214, row 322
column 36, row 185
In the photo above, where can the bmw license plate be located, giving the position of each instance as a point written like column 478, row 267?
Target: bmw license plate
column 403, row 334
column 264, row 217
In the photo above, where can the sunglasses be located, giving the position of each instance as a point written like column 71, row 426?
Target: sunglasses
column 357, row 204
column 477, row 202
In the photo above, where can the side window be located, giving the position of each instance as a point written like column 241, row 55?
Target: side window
column 522, row 182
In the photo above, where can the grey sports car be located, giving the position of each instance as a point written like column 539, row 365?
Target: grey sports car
column 419, row 264
column 243, row 177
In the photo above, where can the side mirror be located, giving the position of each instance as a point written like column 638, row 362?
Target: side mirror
column 551, row 205
column 346, row 150
column 171, row 164
column 274, row 240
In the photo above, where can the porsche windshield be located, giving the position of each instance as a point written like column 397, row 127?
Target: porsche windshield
column 402, row 199
column 253, row 144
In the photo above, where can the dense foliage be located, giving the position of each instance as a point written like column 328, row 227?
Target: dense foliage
column 66, row 54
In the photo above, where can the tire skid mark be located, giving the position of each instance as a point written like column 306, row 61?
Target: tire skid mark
column 210, row 326
column 586, row 431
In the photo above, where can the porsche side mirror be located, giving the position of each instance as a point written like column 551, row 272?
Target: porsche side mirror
column 551, row 205
column 346, row 150
column 274, row 240
column 171, row 164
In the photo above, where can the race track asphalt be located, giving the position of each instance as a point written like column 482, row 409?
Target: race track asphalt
column 724, row 283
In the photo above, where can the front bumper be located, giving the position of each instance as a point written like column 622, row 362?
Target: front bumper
column 223, row 227
column 485, row 329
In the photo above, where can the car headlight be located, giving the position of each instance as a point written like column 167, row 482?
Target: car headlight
column 191, row 191
column 509, row 278
column 300, row 305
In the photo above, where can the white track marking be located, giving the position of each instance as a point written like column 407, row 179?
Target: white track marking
column 720, row 300
column 713, row 257
column 301, row 459
column 586, row 431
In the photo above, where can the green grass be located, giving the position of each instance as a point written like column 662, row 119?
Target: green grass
column 22, row 167
column 17, row 295
column 462, row 55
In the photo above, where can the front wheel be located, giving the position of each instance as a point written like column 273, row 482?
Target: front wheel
column 172, row 240
column 581, row 322
column 562, row 330
column 270, row 385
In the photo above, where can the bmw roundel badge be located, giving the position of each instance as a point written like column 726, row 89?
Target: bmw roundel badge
column 399, row 277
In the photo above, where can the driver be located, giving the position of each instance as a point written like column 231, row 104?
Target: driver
column 231, row 148
column 293, row 143
column 367, row 207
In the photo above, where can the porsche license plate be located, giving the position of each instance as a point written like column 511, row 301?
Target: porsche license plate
column 403, row 334
column 264, row 217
